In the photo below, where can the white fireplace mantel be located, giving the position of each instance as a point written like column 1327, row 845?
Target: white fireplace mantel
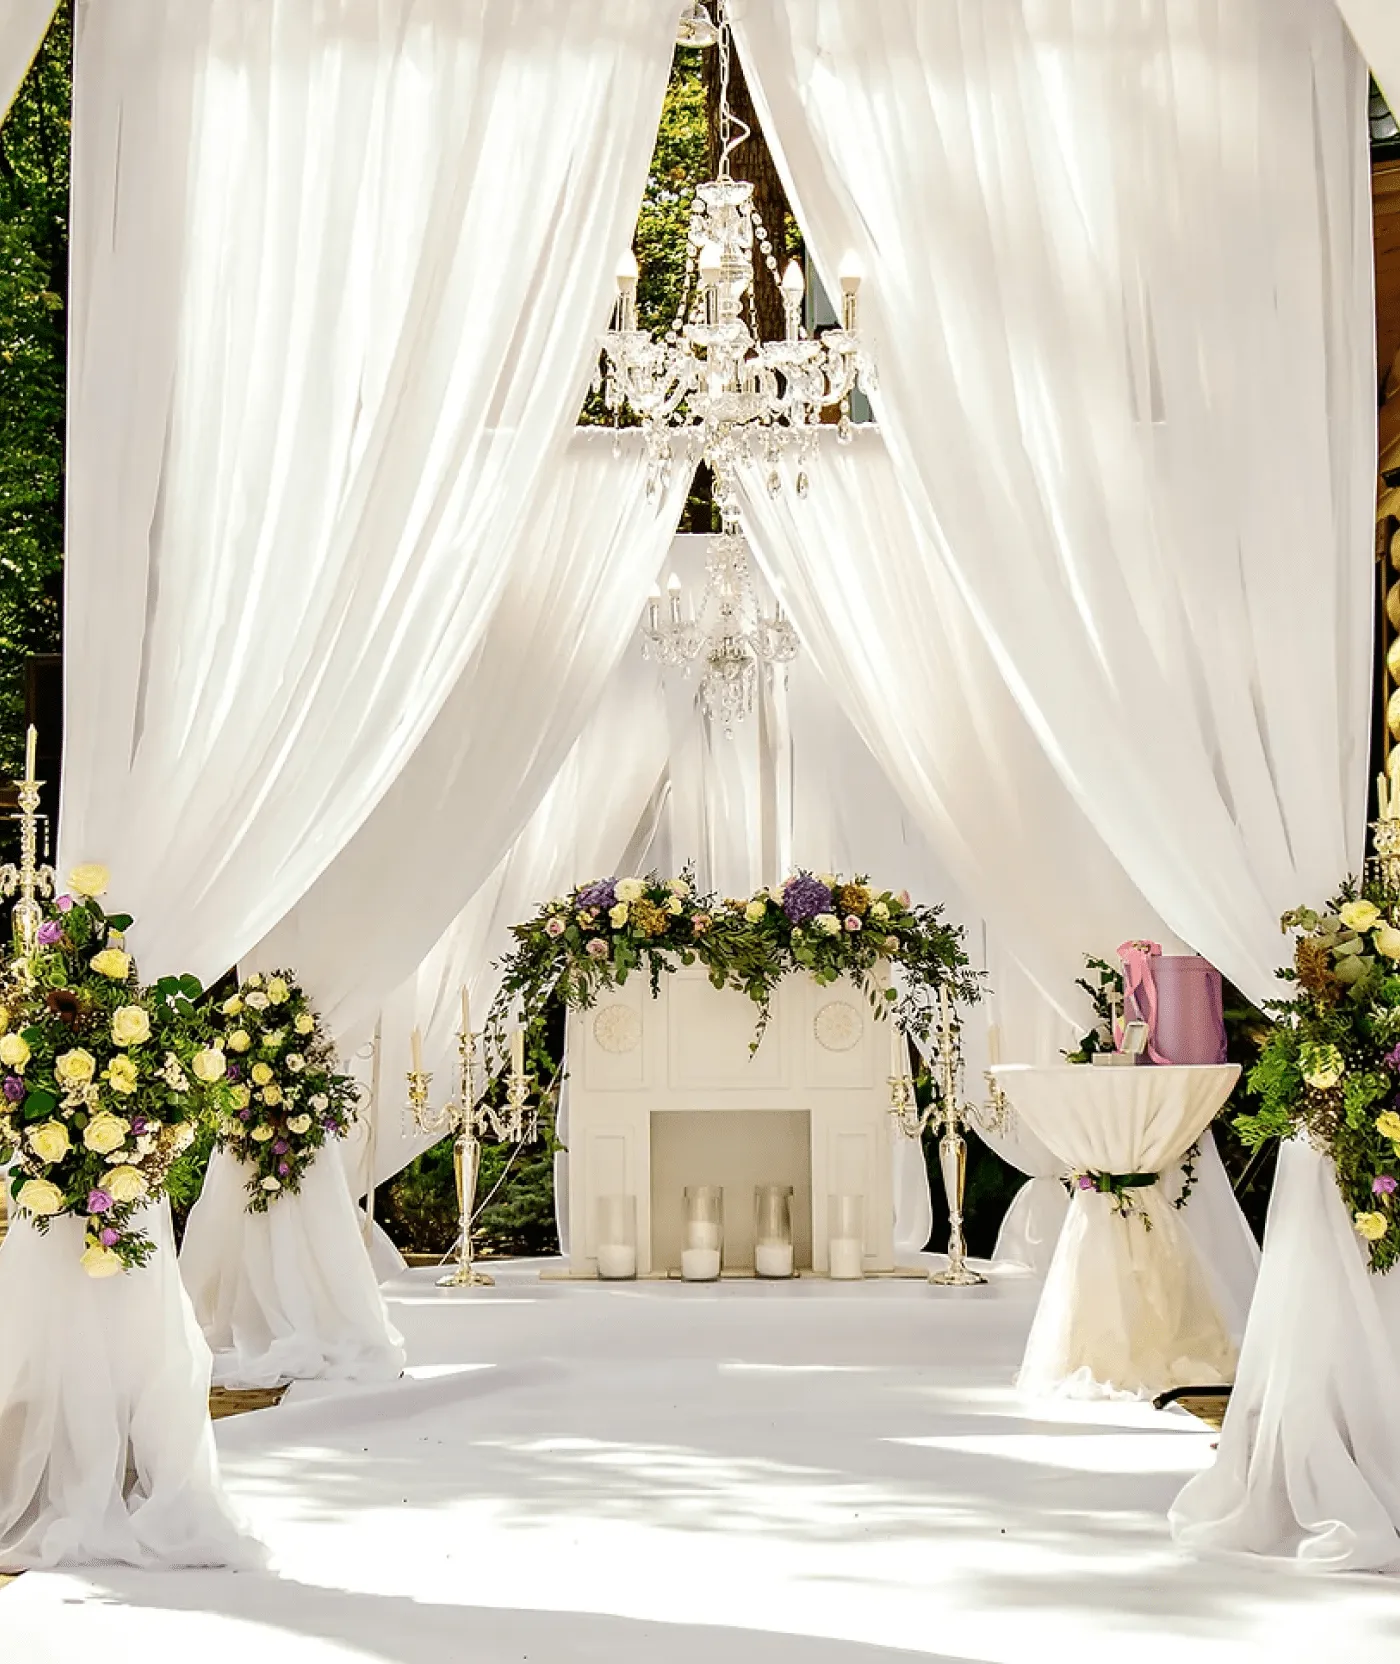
column 823, row 1068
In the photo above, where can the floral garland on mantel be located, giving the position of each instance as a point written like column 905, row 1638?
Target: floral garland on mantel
column 826, row 926
column 102, row 1082
column 288, row 1098
column 1330, row 1069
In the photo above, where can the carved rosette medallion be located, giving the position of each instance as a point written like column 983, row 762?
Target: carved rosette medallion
column 617, row 1028
column 839, row 1026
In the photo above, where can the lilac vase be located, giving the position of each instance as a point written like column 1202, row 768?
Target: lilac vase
column 1190, row 1010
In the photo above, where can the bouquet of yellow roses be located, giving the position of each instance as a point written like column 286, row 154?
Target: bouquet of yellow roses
column 102, row 1082
column 287, row 1096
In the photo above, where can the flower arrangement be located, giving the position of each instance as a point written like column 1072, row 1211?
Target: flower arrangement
column 826, row 926
column 102, row 1082
column 1331, row 1067
column 286, row 1098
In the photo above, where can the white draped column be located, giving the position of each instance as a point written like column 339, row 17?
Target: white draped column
column 1376, row 26
column 22, row 29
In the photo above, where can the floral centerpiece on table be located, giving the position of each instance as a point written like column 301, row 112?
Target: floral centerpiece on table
column 826, row 927
column 287, row 1096
column 1331, row 1067
column 102, row 1082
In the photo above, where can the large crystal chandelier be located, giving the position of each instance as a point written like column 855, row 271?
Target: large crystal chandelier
column 729, row 634
column 710, row 377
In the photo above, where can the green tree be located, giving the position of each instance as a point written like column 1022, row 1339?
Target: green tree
column 34, row 154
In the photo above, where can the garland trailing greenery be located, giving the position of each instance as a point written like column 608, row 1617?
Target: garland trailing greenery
column 1331, row 1066
column 104, row 1083
column 288, row 1098
column 828, row 927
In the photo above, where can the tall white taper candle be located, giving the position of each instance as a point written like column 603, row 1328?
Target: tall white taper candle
column 417, row 1052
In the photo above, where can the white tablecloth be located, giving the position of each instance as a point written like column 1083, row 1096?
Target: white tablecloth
column 1128, row 1307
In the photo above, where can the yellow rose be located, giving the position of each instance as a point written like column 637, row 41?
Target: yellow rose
column 231, row 1008
column 90, row 879
column 299, row 1124
column 75, row 1068
column 209, row 1064
column 49, row 1141
column 112, row 962
column 120, row 1074
column 40, row 1197
column 130, row 1025
column 755, row 910
column 1360, row 915
column 278, row 993
column 1387, row 940
column 305, row 1023
column 674, row 905
column 272, row 1095
column 238, row 1041
column 242, row 1097
column 105, row 1132
column 1388, row 1125
column 262, row 1133
column 124, row 1184
column 261, row 1074
column 14, row 1050
column 878, row 910
column 678, row 887
column 1372, row 1226
column 98, row 1261
column 618, row 915
column 255, row 981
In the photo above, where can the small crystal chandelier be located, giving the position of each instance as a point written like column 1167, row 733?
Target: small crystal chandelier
column 710, row 376
column 730, row 634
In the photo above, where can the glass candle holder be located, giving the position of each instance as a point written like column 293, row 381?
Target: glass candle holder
column 617, row 1238
column 772, row 1230
column 703, row 1242
column 845, row 1238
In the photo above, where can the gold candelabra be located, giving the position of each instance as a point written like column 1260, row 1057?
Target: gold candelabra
column 28, row 880
column 1385, row 836
column 470, row 1119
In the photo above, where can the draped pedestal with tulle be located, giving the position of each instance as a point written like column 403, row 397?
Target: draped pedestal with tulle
column 106, row 1450
column 290, row 1294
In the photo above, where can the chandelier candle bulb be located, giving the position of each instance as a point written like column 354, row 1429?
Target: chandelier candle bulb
column 517, row 1052
column 417, row 1047
column 31, row 747
column 654, row 608
column 993, row 1045
column 850, row 287
column 673, row 589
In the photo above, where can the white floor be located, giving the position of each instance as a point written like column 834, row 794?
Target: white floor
column 757, row 1474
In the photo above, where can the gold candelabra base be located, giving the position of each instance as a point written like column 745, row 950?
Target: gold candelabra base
column 952, row 1164
column 466, row 1276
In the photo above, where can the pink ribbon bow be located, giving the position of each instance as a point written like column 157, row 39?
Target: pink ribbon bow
column 1140, row 984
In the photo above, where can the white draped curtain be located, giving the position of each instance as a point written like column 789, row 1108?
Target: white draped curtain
column 22, row 29
column 1376, row 26
column 336, row 273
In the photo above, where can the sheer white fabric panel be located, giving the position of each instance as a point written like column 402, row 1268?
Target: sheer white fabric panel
column 22, row 28
column 334, row 297
column 289, row 1294
column 582, row 827
column 577, row 576
column 1376, row 26
column 887, row 630
column 1309, row 1463
column 106, row 1451
column 1132, row 401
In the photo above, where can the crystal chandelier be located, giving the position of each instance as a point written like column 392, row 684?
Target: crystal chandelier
column 711, row 378
column 730, row 634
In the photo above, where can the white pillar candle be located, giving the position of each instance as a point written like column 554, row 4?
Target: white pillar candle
column 617, row 1259
column 773, row 1259
column 845, row 1258
column 417, row 1052
column 700, row 1265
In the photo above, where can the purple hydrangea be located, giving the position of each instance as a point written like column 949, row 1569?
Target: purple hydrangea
column 280, row 1147
column 233, row 1071
column 98, row 1201
column 245, row 1114
column 14, row 1088
column 602, row 894
column 1393, row 1058
column 1384, row 1186
column 804, row 898
column 50, row 931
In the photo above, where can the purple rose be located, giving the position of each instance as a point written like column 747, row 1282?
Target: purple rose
column 98, row 1201
column 852, row 922
column 1383, row 1186
column 245, row 1114
column 138, row 1125
column 50, row 931
column 65, row 904
column 283, row 1168
column 108, row 1237
column 280, row 1147
column 555, row 927
column 233, row 1071
column 14, row 1088
column 1393, row 1058
column 601, row 895
column 804, row 897
column 1086, row 1182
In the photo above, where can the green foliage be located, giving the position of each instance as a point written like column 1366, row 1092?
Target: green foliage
column 679, row 163
column 1104, row 986
column 34, row 145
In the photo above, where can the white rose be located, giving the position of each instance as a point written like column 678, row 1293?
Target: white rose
column 678, row 887
column 239, row 1040
column 210, row 1064
column 14, row 1050
column 124, row 1184
column 675, row 906
column 827, row 923
column 320, row 1103
column 90, row 879
column 278, row 993
column 829, row 879
column 755, row 910
column 295, row 1062
column 105, row 1132
column 618, row 915
column 39, row 1197
column 98, row 1261
column 112, row 962
column 258, row 1002
column 270, row 1184
column 305, row 1023
column 299, row 1124
column 130, row 1025
column 49, row 1141
column 878, row 910
column 1387, row 940
column 629, row 889
column 261, row 1134
column 75, row 1068
column 1360, row 915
